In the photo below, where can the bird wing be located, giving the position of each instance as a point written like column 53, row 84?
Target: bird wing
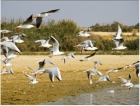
column 48, row 61
column 28, row 20
column 51, row 11
column 51, row 76
column 38, row 22
column 55, row 44
column 42, row 41
column 91, row 54
column 121, row 42
column 30, row 77
column 123, row 80
column 10, row 45
column 116, row 42
column 119, row 31
column 32, row 69
column 129, row 79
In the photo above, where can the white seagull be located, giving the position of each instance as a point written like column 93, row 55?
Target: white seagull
column 83, row 33
column 8, row 52
column 87, row 57
column 55, row 50
column 119, row 45
column 44, row 43
column 114, row 70
column 69, row 55
column 52, row 72
column 126, row 82
column 32, row 79
column 93, row 71
column 41, row 64
column 26, row 24
column 103, row 78
column 5, row 71
column 17, row 38
column 41, row 15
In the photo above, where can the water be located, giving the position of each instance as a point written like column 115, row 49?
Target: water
column 121, row 96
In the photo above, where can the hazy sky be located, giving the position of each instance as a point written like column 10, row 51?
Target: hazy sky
column 84, row 13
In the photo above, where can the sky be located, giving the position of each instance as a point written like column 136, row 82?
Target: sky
column 83, row 13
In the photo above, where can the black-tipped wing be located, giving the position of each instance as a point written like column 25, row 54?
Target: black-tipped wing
column 28, row 20
column 91, row 54
column 51, row 11
column 38, row 22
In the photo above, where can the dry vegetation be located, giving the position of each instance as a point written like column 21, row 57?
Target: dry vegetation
column 18, row 90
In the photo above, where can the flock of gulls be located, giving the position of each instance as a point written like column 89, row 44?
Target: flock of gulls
column 8, row 48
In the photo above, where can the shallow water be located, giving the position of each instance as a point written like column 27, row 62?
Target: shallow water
column 121, row 96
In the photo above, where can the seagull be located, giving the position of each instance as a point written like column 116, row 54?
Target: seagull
column 32, row 79
column 52, row 72
column 119, row 45
column 55, row 49
column 88, row 57
column 44, row 43
column 10, row 45
column 26, row 24
column 134, row 86
column 133, row 64
column 83, row 33
column 69, row 55
column 93, row 71
column 88, row 48
column 8, row 52
column 17, row 38
column 9, row 71
column 118, row 35
column 126, row 82
column 103, row 78
column 41, row 65
column 3, row 32
column 86, row 43
column 41, row 15
column 114, row 70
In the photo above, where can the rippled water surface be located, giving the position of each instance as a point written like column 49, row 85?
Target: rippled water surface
column 121, row 96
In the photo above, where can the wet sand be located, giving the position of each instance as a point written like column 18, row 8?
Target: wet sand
column 121, row 96
column 17, row 89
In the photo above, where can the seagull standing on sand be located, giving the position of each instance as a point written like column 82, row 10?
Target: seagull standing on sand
column 41, row 15
column 26, row 24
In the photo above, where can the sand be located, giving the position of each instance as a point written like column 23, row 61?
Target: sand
column 17, row 89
